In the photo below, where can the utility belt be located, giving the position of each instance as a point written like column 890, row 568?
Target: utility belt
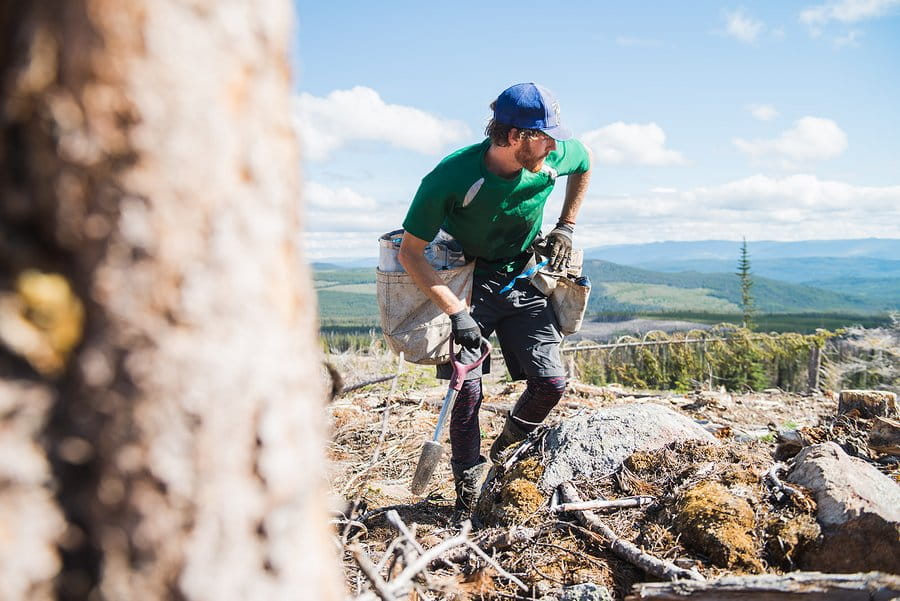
column 567, row 289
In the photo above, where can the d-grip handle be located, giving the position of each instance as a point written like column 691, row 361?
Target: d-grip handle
column 460, row 369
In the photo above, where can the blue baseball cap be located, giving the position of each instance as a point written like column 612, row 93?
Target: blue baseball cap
column 530, row 106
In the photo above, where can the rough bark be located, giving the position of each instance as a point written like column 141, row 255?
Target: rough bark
column 147, row 157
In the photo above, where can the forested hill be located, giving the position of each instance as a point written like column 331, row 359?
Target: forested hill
column 622, row 288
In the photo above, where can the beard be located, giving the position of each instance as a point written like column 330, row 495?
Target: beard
column 529, row 159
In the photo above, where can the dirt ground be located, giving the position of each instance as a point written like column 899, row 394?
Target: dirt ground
column 377, row 435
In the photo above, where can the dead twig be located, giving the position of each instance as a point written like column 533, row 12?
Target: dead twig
column 637, row 501
column 388, row 553
column 403, row 580
column 494, row 541
column 624, row 548
column 797, row 495
column 533, row 439
column 394, row 520
column 348, row 524
column 484, row 556
column 382, row 589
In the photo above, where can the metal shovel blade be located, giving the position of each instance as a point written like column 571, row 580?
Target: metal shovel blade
column 431, row 454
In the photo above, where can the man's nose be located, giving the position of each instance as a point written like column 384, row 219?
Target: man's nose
column 552, row 144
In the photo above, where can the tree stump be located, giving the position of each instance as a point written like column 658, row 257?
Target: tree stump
column 869, row 403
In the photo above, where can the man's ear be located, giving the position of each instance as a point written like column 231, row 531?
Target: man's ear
column 512, row 136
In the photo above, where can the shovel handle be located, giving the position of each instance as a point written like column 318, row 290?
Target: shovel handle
column 461, row 369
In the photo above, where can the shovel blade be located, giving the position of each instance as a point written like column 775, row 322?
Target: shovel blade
column 428, row 460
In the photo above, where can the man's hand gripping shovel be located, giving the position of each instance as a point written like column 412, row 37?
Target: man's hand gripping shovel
column 432, row 451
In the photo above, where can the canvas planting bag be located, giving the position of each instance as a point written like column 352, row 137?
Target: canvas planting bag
column 411, row 322
column 568, row 292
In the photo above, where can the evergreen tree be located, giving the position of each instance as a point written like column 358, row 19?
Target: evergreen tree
column 747, row 306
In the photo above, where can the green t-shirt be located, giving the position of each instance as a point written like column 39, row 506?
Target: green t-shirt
column 495, row 219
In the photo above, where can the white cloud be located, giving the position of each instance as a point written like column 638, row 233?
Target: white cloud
column 346, row 210
column 326, row 124
column 743, row 27
column 847, row 11
column 795, row 207
column 811, row 138
column 631, row 143
column 320, row 196
column 763, row 112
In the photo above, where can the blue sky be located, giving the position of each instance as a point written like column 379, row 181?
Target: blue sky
column 708, row 120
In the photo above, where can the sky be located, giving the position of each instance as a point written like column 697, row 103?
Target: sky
column 770, row 120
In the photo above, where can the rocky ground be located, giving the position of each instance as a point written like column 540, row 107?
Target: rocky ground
column 713, row 511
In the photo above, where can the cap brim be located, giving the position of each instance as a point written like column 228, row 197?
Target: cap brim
column 559, row 133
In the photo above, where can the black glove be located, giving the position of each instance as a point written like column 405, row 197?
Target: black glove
column 465, row 331
column 559, row 246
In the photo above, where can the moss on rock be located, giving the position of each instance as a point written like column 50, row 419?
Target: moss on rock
column 718, row 524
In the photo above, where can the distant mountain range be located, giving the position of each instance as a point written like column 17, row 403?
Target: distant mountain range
column 867, row 270
column 624, row 288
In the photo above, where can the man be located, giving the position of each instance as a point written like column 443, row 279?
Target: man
column 490, row 197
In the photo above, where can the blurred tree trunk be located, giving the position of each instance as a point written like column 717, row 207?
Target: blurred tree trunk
column 160, row 385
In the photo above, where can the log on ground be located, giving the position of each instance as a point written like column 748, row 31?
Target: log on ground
column 802, row 586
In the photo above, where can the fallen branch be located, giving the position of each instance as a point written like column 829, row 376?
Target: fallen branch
column 811, row 586
column 638, row 501
column 623, row 548
column 365, row 383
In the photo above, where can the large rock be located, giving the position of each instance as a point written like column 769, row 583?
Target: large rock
column 597, row 443
column 858, row 510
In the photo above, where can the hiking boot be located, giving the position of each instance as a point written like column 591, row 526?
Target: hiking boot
column 511, row 434
column 467, row 480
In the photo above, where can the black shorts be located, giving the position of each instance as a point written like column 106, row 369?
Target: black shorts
column 525, row 325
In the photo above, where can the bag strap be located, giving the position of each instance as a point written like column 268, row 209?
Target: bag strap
column 527, row 273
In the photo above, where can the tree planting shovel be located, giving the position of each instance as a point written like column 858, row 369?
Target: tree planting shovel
column 432, row 449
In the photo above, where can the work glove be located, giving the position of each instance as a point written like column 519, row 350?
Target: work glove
column 559, row 246
column 465, row 331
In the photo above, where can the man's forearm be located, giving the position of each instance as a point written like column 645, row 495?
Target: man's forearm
column 576, row 188
column 428, row 281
